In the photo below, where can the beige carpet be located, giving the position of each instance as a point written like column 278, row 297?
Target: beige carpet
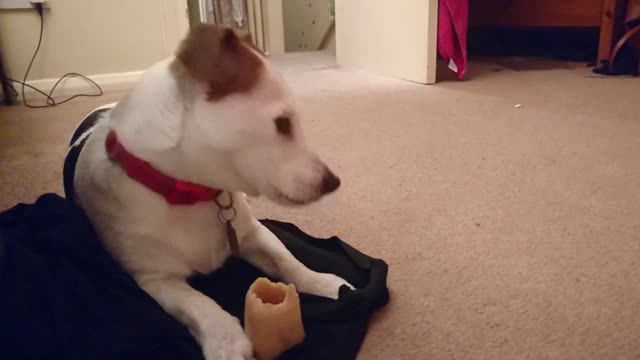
column 511, row 233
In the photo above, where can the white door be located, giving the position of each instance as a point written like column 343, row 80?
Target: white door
column 395, row 38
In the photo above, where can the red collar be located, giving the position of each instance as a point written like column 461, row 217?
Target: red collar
column 176, row 192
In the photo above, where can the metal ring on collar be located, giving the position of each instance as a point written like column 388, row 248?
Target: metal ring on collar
column 224, row 207
column 230, row 214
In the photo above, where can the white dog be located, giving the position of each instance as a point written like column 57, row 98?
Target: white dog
column 200, row 129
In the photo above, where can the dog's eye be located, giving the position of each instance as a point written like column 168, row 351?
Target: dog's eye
column 283, row 125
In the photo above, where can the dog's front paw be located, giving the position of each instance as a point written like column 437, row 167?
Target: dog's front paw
column 326, row 285
column 227, row 342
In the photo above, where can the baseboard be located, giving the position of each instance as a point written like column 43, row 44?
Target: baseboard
column 77, row 85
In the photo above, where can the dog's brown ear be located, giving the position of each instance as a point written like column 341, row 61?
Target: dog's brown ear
column 230, row 39
column 245, row 37
column 217, row 57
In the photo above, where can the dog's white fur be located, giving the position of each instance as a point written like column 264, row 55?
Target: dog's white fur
column 230, row 144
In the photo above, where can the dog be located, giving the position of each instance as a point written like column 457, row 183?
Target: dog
column 164, row 175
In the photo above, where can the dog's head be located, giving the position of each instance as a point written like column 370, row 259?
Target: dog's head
column 240, row 113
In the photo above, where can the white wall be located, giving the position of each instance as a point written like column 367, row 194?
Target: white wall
column 394, row 38
column 92, row 37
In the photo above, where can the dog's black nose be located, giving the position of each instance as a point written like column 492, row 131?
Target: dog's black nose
column 330, row 182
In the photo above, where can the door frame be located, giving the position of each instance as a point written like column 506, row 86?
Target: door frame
column 432, row 41
column 265, row 22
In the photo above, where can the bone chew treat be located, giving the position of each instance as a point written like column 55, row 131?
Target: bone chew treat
column 272, row 318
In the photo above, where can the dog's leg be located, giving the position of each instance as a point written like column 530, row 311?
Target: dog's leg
column 220, row 335
column 263, row 249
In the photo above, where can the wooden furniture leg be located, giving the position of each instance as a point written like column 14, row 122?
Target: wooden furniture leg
column 611, row 14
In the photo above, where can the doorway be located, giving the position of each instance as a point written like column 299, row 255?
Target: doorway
column 275, row 26
column 309, row 25
column 388, row 38
column 261, row 19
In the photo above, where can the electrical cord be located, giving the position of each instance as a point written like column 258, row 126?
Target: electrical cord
column 50, row 100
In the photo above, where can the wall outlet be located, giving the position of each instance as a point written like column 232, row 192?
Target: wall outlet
column 21, row 4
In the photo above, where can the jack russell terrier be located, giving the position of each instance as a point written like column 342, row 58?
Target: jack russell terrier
column 163, row 175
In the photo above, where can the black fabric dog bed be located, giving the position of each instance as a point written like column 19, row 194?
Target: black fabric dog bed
column 63, row 297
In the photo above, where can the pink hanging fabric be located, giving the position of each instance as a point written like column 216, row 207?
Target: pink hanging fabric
column 452, row 34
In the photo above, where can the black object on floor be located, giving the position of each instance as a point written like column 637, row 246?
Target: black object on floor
column 625, row 64
column 63, row 297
